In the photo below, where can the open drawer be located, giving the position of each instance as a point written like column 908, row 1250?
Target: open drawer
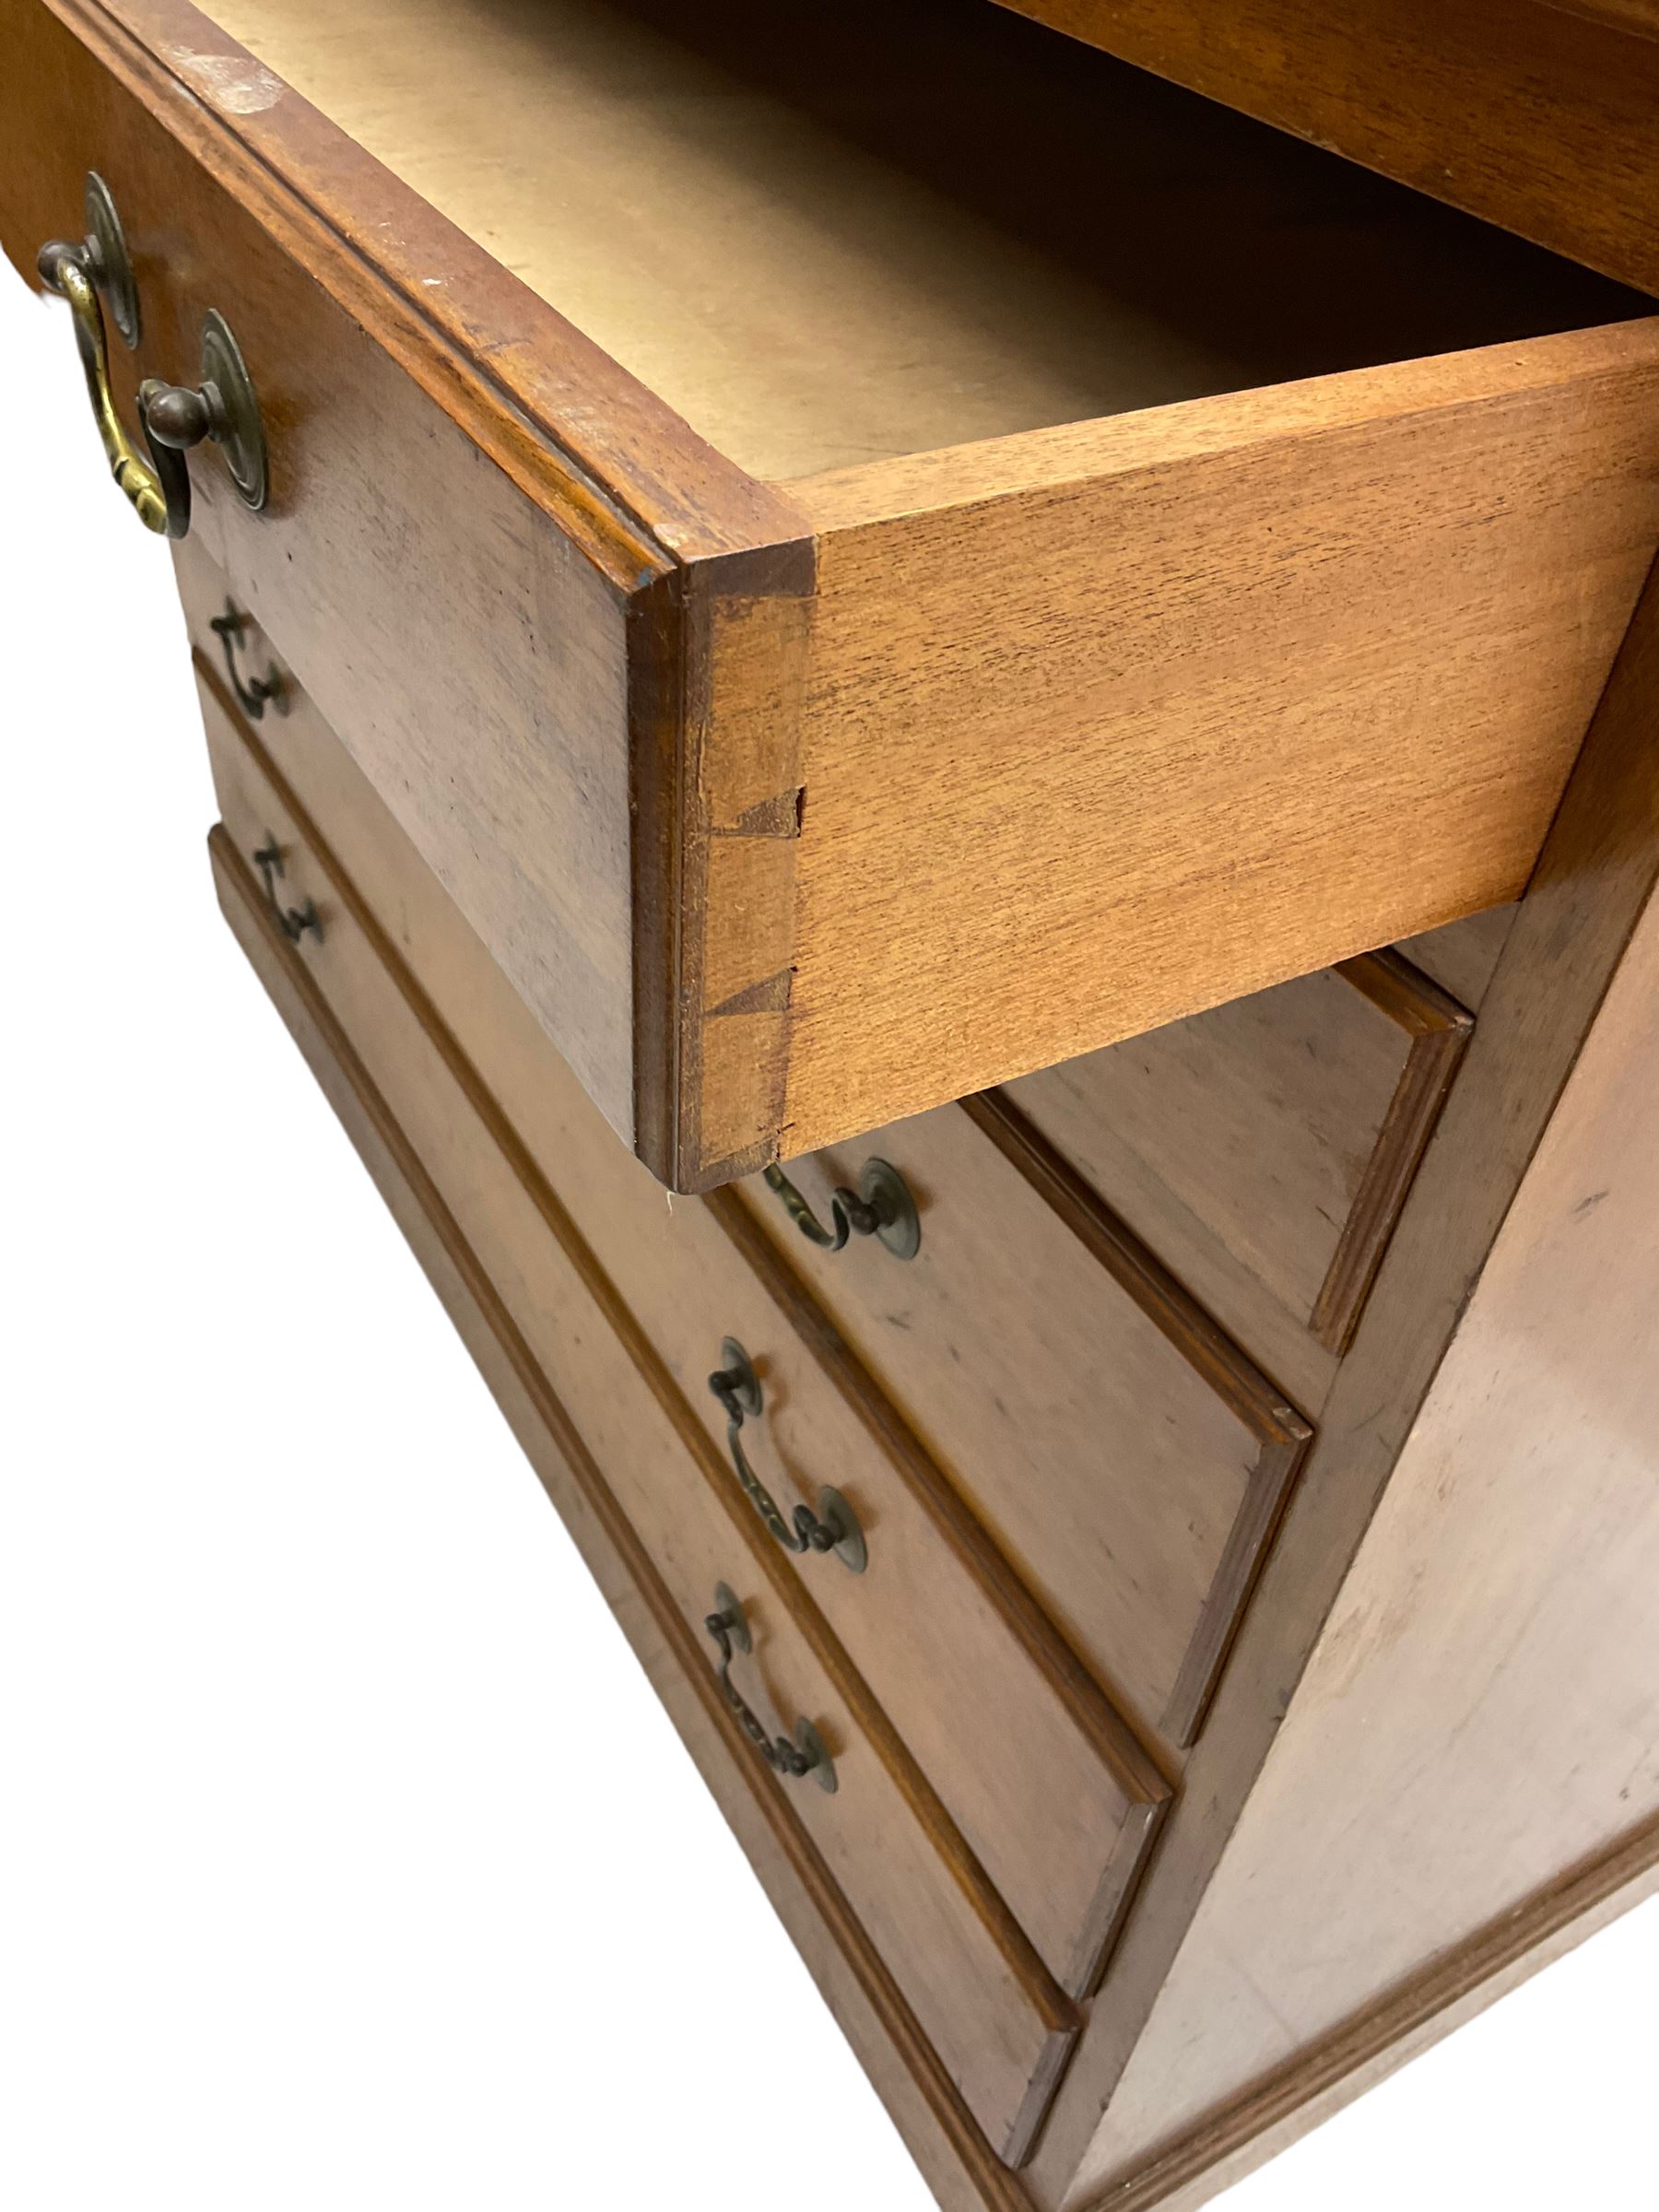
column 872, row 550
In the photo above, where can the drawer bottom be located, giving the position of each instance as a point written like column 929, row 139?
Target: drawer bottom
column 942, row 2131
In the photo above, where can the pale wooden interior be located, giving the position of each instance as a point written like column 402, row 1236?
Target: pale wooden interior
column 832, row 236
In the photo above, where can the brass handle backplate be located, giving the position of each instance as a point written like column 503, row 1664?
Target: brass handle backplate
column 293, row 921
column 834, row 1527
column 223, row 410
column 807, row 1753
column 881, row 1208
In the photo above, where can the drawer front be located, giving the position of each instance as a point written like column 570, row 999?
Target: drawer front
column 374, row 491
column 1050, row 1789
column 447, row 549
column 1126, row 1454
column 674, row 738
column 1000, row 2025
column 1047, row 798
column 1265, row 1149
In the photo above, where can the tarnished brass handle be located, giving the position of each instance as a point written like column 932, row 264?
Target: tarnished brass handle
column 834, row 1527
column 293, row 921
column 881, row 1208
column 259, row 692
column 159, row 488
column 222, row 410
column 805, row 1755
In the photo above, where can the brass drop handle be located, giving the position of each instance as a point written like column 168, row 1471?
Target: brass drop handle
column 259, row 692
column 224, row 409
column 834, row 1527
column 293, row 921
column 806, row 1754
column 881, row 1208
column 159, row 488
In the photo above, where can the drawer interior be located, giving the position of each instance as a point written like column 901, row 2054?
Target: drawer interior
column 793, row 807
column 828, row 237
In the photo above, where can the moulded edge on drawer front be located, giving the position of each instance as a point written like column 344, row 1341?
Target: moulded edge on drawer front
column 792, row 808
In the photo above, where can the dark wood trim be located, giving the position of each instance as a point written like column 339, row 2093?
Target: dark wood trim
column 995, row 2186
column 1207, row 1350
column 656, row 711
column 739, row 776
column 1283, row 1433
column 1136, row 1765
column 1143, row 1783
column 699, row 555
column 620, row 472
column 1141, row 1769
column 1425, row 1999
column 1236, row 1576
column 1534, row 117
column 1412, row 1001
column 1439, row 1030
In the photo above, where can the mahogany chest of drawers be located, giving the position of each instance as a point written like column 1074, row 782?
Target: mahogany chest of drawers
column 1039, row 697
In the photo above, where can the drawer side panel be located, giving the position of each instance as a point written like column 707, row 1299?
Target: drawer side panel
column 1109, row 725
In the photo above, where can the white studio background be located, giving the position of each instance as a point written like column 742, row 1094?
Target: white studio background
column 346, row 1859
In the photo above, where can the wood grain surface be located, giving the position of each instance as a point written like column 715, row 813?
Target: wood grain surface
column 788, row 808
column 1540, row 118
column 1192, row 742
column 544, row 662
column 999, row 2022
column 502, row 696
column 1121, row 1453
column 1264, row 1149
column 963, row 2171
column 1436, row 1031
column 773, row 835
column 1050, row 1787
column 1282, row 2105
column 960, row 2169
column 1594, row 881
column 1639, row 16
column 1462, row 956
column 1596, row 874
column 1047, row 1783
column 588, row 442
column 781, row 222
column 1494, row 1645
